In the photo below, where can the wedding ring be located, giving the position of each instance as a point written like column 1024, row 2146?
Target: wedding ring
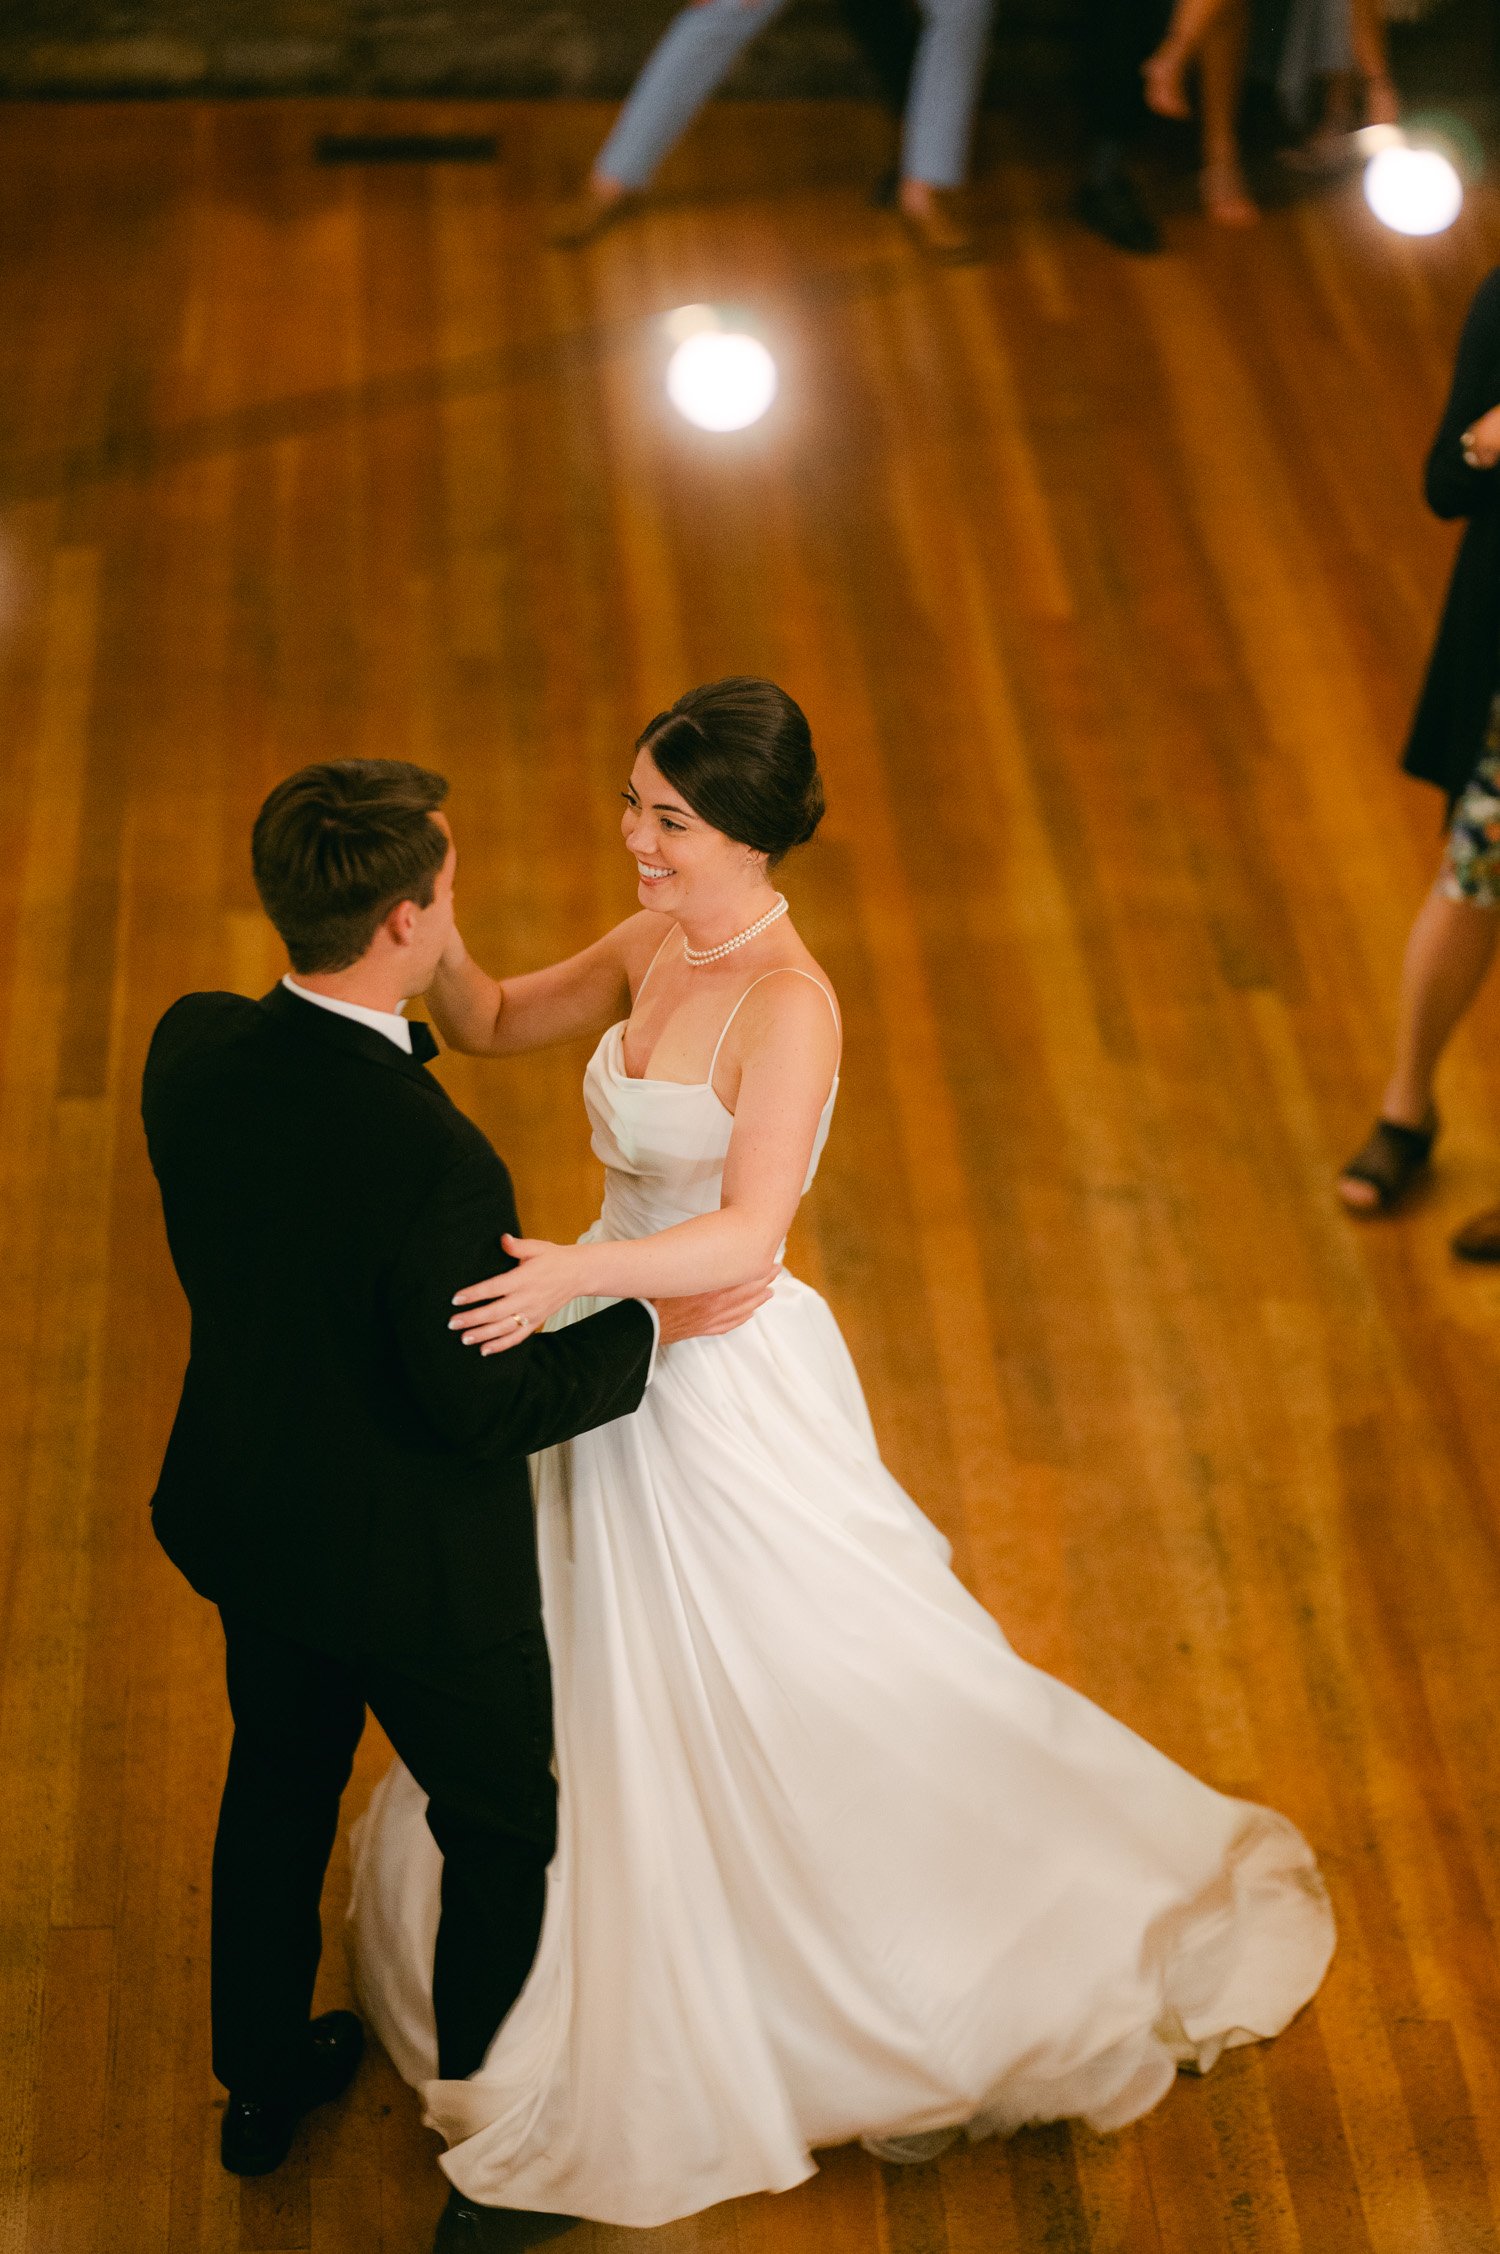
column 520, row 1322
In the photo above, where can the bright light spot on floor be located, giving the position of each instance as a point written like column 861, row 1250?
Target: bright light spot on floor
column 1414, row 191
column 721, row 381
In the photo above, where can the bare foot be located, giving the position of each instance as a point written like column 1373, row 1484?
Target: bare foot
column 1165, row 92
column 1226, row 199
column 932, row 219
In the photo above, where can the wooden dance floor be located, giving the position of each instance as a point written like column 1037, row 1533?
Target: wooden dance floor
column 1107, row 586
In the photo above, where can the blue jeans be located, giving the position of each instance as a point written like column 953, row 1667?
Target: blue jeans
column 701, row 46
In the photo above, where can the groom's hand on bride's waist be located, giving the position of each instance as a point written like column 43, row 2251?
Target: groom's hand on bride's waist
column 710, row 1313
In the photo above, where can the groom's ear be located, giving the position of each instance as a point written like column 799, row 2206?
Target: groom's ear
column 400, row 924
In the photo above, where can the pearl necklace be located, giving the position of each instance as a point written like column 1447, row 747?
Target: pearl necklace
column 741, row 939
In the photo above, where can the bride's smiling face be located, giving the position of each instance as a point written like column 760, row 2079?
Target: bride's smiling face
column 682, row 863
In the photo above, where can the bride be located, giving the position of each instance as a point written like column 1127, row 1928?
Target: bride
column 832, row 1861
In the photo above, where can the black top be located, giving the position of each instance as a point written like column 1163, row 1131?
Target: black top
column 1447, row 735
column 342, row 1468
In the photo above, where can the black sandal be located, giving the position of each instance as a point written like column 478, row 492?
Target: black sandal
column 1390, row 1160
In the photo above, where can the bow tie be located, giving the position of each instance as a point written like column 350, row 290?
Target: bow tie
column 423, row 1046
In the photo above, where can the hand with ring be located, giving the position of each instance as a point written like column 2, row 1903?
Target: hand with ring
column 503, row 1310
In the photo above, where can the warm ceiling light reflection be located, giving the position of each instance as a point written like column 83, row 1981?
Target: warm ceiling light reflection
column 1413, row 191
column 721, row 380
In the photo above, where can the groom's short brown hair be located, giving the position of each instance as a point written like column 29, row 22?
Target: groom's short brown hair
column 337, row 846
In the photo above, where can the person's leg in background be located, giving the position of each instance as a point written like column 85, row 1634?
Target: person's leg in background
column 1448, row 956
column 1165, row 70
column 886, row 33
column 1332, row 75
column 1115, row 37
column 693, row 57
column 1372, row 61
column 945, row 87
column 1221, row 65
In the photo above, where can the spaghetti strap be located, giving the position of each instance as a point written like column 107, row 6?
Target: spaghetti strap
column 650, row 967
column 787, row 970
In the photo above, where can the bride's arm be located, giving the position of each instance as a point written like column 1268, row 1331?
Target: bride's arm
column 494, row 1017
column 791, row 1055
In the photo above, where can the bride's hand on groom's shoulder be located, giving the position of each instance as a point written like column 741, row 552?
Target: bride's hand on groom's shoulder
column 504, row 1310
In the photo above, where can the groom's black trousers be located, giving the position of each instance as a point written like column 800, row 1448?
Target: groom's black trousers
column 476, row 1734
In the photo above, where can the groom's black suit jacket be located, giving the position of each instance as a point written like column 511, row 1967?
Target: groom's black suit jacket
column 341, row 1468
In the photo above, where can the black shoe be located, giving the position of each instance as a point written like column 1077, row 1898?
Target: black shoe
column 1112, row 208
column 257, row 2134
column 467, row 2228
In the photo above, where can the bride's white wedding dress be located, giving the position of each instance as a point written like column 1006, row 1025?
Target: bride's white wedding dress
column 833, row 1861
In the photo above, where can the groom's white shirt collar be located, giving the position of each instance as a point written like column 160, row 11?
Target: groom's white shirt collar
column 395, row 1028
column 390, row 1023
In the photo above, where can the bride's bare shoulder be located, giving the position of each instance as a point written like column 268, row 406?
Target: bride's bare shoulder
column 807, row 962
column 638, row 941
column 786, row 997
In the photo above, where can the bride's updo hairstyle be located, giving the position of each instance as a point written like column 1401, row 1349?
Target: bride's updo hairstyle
column 740, row 752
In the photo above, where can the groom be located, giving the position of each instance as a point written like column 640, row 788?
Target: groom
column 345, row 1480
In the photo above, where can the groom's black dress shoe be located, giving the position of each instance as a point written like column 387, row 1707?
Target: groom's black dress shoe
column 257, row 2135
column 467, row 2228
